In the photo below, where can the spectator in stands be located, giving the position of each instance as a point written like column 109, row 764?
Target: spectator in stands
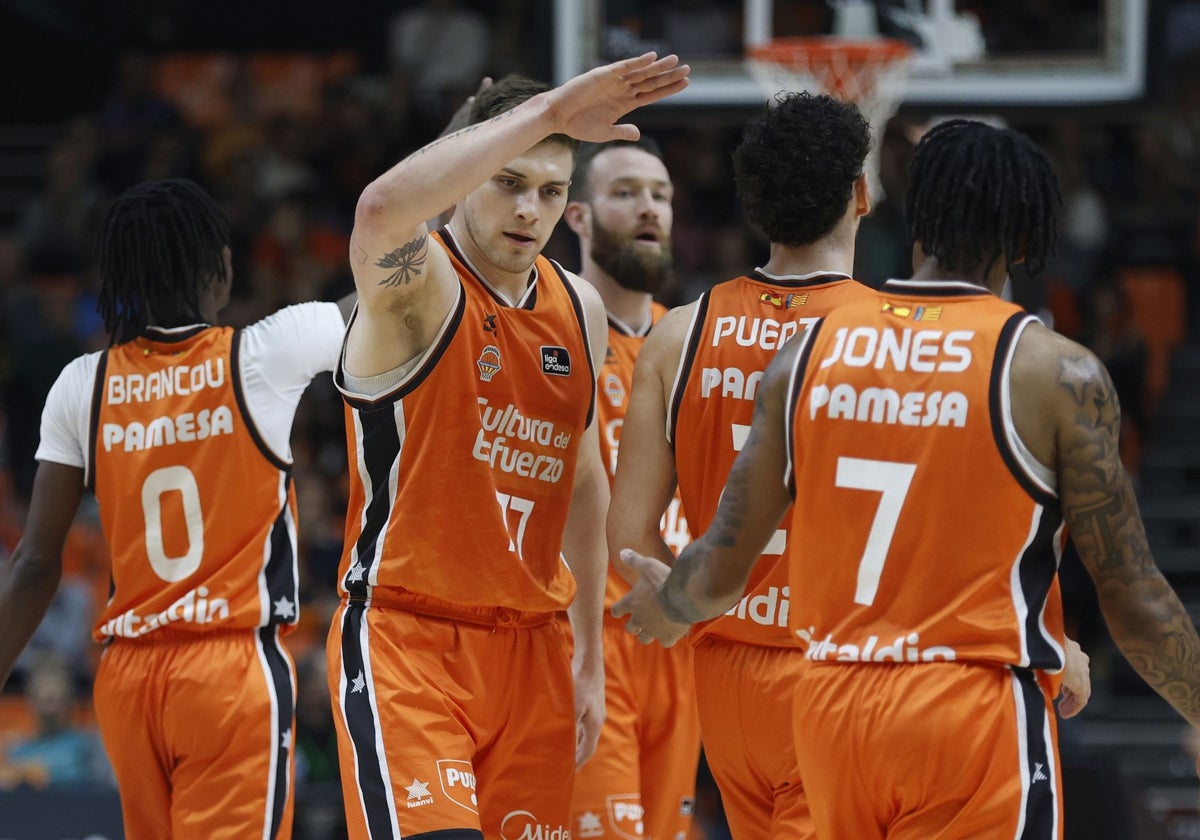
column 58, row 753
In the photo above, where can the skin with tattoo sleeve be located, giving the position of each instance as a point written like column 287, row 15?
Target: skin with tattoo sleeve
column 1043, row 463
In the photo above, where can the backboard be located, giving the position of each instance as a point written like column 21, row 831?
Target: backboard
column 968, row 53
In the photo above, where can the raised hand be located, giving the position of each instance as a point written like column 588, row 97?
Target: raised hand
column 587, row 106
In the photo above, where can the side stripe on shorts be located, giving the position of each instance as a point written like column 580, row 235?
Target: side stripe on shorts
column 1039, row 771
column 280, row 684
column 362, row 722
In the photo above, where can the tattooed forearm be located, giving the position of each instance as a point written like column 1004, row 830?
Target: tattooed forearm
column 676, row 604
column 711, row 572
column 1146, row 618
column 428, row 147
column 1153, row 630
column 407, row 260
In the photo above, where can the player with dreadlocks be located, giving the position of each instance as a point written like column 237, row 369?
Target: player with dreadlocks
column 939, row 443
column 181, row 430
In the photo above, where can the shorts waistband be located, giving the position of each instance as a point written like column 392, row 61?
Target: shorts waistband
column 171, row 635
column 424, row 605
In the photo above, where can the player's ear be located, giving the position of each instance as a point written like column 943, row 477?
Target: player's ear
column 862, row 195
column 579, row 217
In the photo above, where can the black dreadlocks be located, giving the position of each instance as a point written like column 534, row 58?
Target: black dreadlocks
column 979, row 194
column 161, row 243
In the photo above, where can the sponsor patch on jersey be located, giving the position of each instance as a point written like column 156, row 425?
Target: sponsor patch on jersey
column 627, row 816
column 899, row 311
column 489, row 362
column 458, row 783
column 614, row 390
column 556, row 361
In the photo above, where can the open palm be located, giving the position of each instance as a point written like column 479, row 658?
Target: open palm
column 587, row 106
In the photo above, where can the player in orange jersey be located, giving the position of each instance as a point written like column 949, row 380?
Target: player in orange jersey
column 641, row 782
column 939, row 443
column 800, row 178
column 181, row 429
column 469, row 374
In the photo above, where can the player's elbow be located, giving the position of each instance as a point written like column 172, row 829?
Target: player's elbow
column 32, row 569
column 372, row 206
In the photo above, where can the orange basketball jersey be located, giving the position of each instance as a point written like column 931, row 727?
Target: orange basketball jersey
column 462, row 474
column 737, row 329
column 171, row 443
column 923, row 530
column 616, row 383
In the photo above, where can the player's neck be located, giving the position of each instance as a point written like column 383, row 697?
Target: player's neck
column 930, row 270
column 630, row 307
column 511, row 285
column 828, row 254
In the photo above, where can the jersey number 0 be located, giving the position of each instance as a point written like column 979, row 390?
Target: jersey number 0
column 159, row 482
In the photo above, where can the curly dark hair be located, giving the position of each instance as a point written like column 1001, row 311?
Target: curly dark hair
column 508, row 93
column 797, row 164
column 979, row 194
column 161, row 244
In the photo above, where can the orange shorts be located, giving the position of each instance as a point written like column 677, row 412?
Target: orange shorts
column 939, row 751
column 745, row 698
column 198, row 727
column 642, row 780
column 451, row 726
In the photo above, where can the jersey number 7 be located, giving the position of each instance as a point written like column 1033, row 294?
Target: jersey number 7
column 892, row 480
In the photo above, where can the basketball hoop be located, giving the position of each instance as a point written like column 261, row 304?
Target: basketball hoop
column 870, row 72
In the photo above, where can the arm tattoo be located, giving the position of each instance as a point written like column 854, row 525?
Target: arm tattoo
column 467, row 130
column 1146, row 618
column 440, row 140
column 407, row 260
column 724, row 534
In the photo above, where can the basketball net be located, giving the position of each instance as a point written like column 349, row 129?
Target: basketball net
column 870, row 72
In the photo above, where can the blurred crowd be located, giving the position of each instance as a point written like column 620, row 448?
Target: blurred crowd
column 286, row 143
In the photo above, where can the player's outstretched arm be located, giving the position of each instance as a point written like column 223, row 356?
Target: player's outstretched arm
column 1144, row 615
column 711, row 573
column 586, row 107
column 405, row 287
column 35, row 567
column 645, row 480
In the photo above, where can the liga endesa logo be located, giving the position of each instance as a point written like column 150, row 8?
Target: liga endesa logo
column 522, row 825
column 555, row 360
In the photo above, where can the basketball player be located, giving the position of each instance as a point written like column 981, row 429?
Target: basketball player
column 644, row 770
column 939, row 443
column 469, row 373
column 800, row 178
column 181, row 429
